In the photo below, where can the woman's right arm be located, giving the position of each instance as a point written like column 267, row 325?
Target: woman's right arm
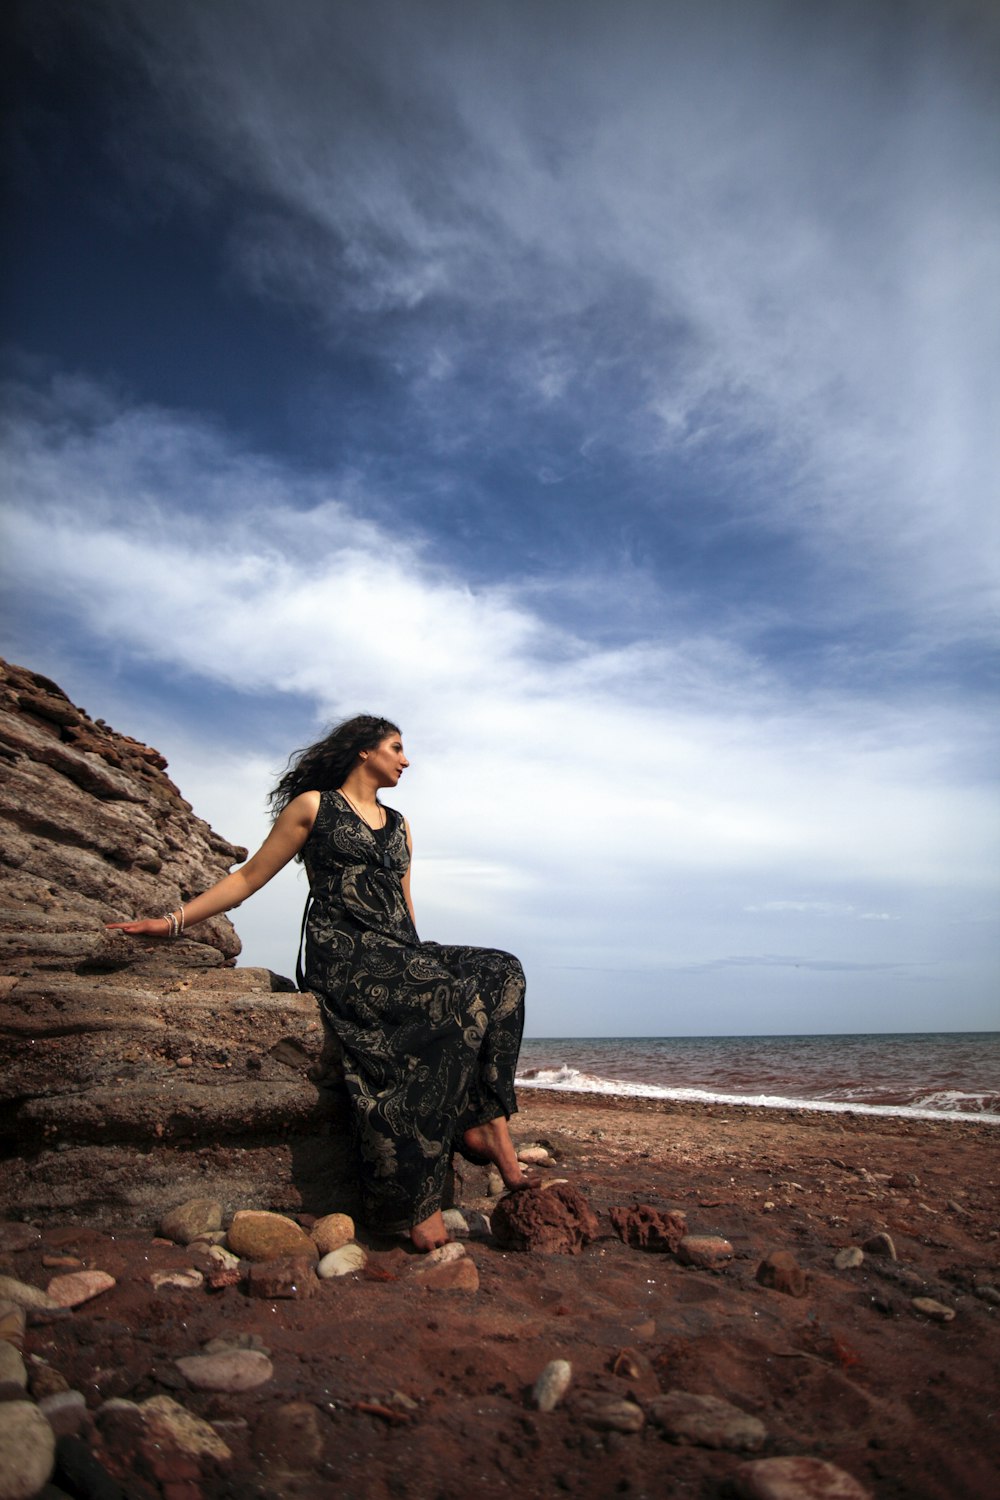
column 291, row 829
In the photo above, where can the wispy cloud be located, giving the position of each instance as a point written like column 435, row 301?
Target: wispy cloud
column 685, row 754
column 753, row 243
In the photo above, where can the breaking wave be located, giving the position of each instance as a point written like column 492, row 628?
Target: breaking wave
column 952, row 1104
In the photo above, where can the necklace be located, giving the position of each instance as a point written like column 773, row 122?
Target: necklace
column 360, row 814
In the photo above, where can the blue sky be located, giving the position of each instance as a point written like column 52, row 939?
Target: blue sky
column 606, row 392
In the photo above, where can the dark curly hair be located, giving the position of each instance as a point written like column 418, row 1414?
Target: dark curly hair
column 327, row 764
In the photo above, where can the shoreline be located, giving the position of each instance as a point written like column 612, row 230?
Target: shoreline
column 807, row 1113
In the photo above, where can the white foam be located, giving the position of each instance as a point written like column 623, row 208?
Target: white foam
column 570, row 1080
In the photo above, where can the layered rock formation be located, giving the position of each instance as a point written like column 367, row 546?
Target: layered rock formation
column 133, row 1070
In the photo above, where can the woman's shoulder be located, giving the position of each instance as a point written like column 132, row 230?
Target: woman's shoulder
column 306, row 802
column 303, row 810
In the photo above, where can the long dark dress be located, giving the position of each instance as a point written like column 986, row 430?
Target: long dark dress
column 430, row 1033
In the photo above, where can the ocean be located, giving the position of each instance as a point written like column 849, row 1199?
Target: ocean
column 925, row 1075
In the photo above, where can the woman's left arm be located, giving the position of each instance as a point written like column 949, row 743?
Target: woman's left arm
column 405, row 882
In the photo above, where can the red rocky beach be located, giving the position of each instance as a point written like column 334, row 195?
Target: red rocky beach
column 790, row 1305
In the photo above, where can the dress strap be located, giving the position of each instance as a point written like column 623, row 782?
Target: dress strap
column 300, row 978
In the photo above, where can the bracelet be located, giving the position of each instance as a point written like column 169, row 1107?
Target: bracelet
column 173, row 926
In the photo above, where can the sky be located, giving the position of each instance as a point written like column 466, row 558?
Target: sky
column 605, row 392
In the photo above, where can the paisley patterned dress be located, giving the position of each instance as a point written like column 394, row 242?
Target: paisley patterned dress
column 430, row 1033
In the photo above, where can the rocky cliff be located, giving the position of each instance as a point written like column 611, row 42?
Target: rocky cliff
column 131, row 1071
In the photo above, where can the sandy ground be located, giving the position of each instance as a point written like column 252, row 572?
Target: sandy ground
column 384, row 1388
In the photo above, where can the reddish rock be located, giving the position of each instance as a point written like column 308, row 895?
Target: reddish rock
column 782, row 1273
column 647, row 1228
column 557, row 1220
column 164, row 1424
column 451, row 1276
column 290, row 1436
column 709, row 1251
column 291, row 1276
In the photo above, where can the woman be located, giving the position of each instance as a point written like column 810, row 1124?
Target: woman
column 430, row 1034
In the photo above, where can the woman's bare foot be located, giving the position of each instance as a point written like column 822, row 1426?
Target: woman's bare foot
column 493, row 1140
column 430, row 1233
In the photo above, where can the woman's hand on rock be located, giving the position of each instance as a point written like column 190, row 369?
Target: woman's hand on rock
column 147, row 927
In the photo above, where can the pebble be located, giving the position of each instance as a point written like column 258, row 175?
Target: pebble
column 65, row 1411
column 456, row 1223
column 229, row 1341
column 342, row 1262
column 332, row 1232
column 442, row 1256
column 14, row 1236
column 705, row 1250
column 232, row 1370
column 629, row 1364
column 796, row 1478
column 27, row 1450
column 162, row 1415
column 220, row 1267
column 552, row 1384
column 707, row 1421
column 609, row 1413
column 290, row 1437
column 450, row 1276
column 849, row 1258
column 12, row 1367
column 44, row 1380
column 194, row 1217
column 990, row 1294
column 782, row 1273
column 62, row 1262
column 178, row 1281
column 534, row 1156
column 23, row 1295
column 258, row 1235
column 79, row 1286
column 881, row 1244
column 293, row 1276
column 218, row 1255
column 12, row 1323
column 935, row 1310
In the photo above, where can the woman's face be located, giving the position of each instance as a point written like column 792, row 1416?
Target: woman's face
column 387, row 761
